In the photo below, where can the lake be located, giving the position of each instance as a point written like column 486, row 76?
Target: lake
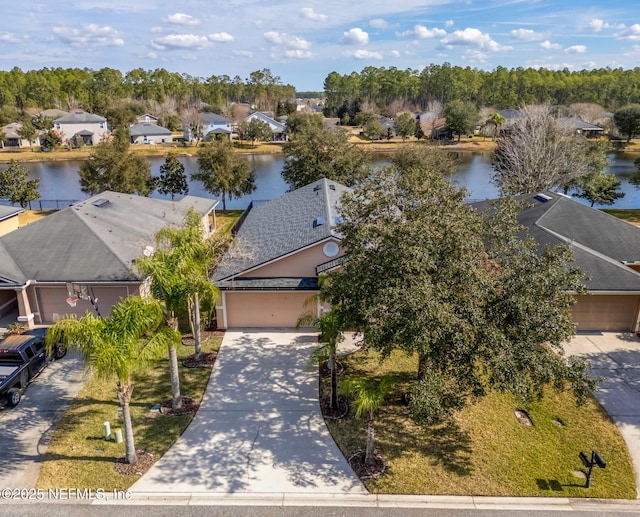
column 59, row 179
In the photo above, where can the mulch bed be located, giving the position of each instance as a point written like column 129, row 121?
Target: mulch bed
column 364, row 471
column 189, row 406
column 334, row 414
column 144, row 463
column 206, row 360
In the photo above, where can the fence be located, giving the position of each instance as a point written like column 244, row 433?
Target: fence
column 45, row 204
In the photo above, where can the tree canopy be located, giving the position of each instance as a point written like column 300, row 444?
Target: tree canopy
column 429, row 274
column 317, row 151
column 627, row 119
column 15, row 185
column 461, row 117
column 224, row 172
column 111, row 166
column 172, row 179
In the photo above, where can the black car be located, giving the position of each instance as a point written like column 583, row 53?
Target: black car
column 22, row 358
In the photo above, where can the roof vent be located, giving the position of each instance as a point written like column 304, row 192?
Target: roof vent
column 543, row 198
column 332, row 187
column 338, row 219
column 101, row 202
column 316, row 188
column 319, row 221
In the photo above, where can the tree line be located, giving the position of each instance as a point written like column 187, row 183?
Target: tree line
column 96, row 90
column 392, row 90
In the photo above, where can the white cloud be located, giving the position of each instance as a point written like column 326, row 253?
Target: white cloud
column 243, row 53
column 448, row 23
column 476, row 56
column 596, row 25
column 288, row 40
column 576, row 49
column 298, row 54
column 156, row 30
column 472, row 37
column 10, row 37
column 549, row 46
column 395, row 53
column 355, row 36
column 91, row 35
column 632, row 33
column 421, row 32
column 182, row 19
column 310, row 14
column 181, row 41
column 365, row 54
column 221, row 37
column 378, row 23
column 526, row 35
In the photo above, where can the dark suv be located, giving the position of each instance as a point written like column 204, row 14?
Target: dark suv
column 22, row 358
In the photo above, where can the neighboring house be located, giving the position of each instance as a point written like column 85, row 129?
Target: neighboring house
column 606, row 248
column 93, row 243
column 510, row 117
column 9, row 218
column 53, row 113
column 148, row 133
column 436, row 129
column 279, row 250
column 13, row 139
column 147, row 118
column 82, row 128
column 212, row 125
column 278, row 129
column 582, row 127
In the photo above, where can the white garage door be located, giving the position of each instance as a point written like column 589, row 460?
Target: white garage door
column 606, row 312
column 53, row 305
column 259, row 309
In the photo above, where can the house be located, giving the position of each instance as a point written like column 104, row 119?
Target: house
column 147, row 118
column 147, row 133
column 92, row 245
column 212, row 125
column 82, row 128
column 52, row 113
column 9, row 218
column 436, row 129
column 581, row 127
column 278, row 129
column 13, row 138
column 279, row 250
column 606, row 248
column 510, row 116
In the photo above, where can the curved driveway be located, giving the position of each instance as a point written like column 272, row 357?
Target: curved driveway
column 259, row 428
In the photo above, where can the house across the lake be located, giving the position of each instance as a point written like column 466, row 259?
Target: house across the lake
column 82, row 128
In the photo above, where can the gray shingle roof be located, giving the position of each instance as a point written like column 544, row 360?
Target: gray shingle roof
column 147, row 128
column 86, row 242
column 600, row 242
column 9, row 211
column 80, row 117
column 213, row 118
column 286, row 224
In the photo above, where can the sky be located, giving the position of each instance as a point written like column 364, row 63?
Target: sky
column 303, row 41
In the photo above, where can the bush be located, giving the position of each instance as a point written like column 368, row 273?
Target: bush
column 434, row 399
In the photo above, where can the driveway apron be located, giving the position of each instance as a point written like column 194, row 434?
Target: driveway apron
column 259, row 428
column 615, row 357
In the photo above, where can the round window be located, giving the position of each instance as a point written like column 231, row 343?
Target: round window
column 331, row 249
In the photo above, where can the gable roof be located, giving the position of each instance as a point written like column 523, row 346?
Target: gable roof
column 79, row 117
column 209, row 117
column 276, row 228
column 276, row 127
column 601, row 243
column 93, row 240
column 579, row 124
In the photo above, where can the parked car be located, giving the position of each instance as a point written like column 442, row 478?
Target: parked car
column 22, row 358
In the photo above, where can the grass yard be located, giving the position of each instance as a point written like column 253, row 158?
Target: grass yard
column 485, row 450
column 79, row 456
column 630, row 215
column 30, row 216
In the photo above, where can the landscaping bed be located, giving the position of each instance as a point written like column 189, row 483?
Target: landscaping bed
column 79, row 456
column 485, row 450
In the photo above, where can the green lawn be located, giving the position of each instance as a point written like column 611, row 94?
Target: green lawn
column 630, row 215
column 485, row 450
column 79, row 456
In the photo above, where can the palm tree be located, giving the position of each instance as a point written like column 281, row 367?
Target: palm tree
column 368, row 397
column 497, row 121
column 116, row 346
column 3, row 138
column 330, row 326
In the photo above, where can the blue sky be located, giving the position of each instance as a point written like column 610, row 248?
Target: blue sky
column 303, row 41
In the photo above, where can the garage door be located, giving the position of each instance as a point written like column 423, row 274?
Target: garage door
column 606, row 312
column 53, row 305
column 251, row 309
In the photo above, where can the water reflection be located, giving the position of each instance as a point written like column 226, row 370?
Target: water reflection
column 59, row 179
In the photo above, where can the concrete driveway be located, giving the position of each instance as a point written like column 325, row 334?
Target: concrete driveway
column 25, row 431
column 615, row 356
column 259, row 428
